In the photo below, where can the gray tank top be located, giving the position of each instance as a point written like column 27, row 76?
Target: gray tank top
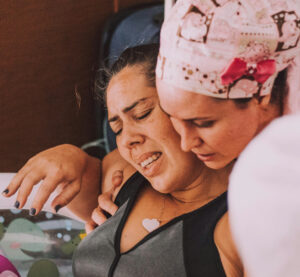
column 182, row 247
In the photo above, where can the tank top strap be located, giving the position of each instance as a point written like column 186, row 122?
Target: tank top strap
column 130, row 188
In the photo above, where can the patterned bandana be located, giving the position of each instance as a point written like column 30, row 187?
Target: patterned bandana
column 228, row 48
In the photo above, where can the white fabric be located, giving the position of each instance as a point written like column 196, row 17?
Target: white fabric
column 292, row 104
column 264, row 201
column 8, row 203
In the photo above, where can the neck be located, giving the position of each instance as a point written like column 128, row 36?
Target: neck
column 208, row 185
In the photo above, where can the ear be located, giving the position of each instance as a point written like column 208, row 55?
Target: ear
column 265, row 101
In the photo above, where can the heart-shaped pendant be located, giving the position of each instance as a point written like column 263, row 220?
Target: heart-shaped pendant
column 150, row 224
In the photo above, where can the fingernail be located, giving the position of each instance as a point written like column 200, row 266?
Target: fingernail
column 32, row 211
column 57, row 208
column 6, row 191
column 17, row 204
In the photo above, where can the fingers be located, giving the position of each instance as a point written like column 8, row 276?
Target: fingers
column 42, row 195
column 90, row 226
column 66, row 195
column 105, row 203
column 25, row 189
column 17, row 180
column 117, row 178
column 98, row 217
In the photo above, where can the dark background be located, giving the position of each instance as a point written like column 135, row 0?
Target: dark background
column 48, row 55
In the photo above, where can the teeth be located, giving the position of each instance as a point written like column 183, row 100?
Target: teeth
column 150, row 160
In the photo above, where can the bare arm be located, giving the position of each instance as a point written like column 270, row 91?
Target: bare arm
column 228, row 253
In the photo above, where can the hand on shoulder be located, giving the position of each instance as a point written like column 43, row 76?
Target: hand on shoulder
column 115, row 173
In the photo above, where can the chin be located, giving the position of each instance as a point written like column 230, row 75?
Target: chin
column 161, row 186
column 217, row 165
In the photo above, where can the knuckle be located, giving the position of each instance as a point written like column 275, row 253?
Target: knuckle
column 76, row 186
column 104, row 203
column 118, row 173
column 29, row 179
column 13, row 184
column 46, row 189
column 30, row 160
column 63, row 199
column 116, row 180
column 95, row 212
column 23, row 191
column 89, row 227
column 94, row 216
column 100, row 197
column 57, row 172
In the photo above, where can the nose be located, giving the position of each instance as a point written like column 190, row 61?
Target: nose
column 189, row 138
column 131, row 138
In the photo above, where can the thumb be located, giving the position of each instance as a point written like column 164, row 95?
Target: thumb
column 117, row 178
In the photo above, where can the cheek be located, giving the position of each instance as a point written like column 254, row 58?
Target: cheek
column 124, row 152
column 229, row 138
column 177, row 126
column 162, row 128
column 239, row 136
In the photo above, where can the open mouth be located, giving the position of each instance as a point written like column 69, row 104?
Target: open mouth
column 147, row 162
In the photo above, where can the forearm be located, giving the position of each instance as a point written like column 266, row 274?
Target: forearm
column 86, row 200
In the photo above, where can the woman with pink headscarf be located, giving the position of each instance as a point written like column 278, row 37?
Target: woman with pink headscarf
column 223, row 70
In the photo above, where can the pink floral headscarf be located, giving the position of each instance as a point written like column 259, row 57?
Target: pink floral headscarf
column 229, row 48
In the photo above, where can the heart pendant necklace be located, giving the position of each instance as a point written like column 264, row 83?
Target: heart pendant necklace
column 152, row 224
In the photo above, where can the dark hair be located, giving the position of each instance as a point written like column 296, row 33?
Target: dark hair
column 278, row 93
column 144, row 56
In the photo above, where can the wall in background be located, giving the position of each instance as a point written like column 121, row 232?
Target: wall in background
column 48, row 55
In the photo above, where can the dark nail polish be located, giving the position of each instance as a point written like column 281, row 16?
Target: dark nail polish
column 17, row 204
column 32, row 211
column 6, row 191
column 57, row 208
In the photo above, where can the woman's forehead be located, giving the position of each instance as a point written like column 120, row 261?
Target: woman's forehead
column 127, row 88
column 184, row 104
column 127, row 78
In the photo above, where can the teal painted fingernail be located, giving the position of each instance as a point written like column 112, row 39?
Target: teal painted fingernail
column 6, row 191
column 17, row 204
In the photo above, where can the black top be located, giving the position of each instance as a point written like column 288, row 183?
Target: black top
column 182, row 247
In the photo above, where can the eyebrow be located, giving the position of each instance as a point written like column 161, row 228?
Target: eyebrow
column 128, row 109
column 189, row 119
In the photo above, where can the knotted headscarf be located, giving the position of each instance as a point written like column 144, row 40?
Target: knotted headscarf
column 229, row 48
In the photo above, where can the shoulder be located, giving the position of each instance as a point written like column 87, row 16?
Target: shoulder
column 228, row 253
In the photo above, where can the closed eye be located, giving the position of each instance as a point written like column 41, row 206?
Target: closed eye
column 204, row 124
column 144, row 115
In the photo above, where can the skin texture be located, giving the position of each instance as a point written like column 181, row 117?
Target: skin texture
column 188, row 183
column 60, row 172
column 138, row 138
column 215, row 130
